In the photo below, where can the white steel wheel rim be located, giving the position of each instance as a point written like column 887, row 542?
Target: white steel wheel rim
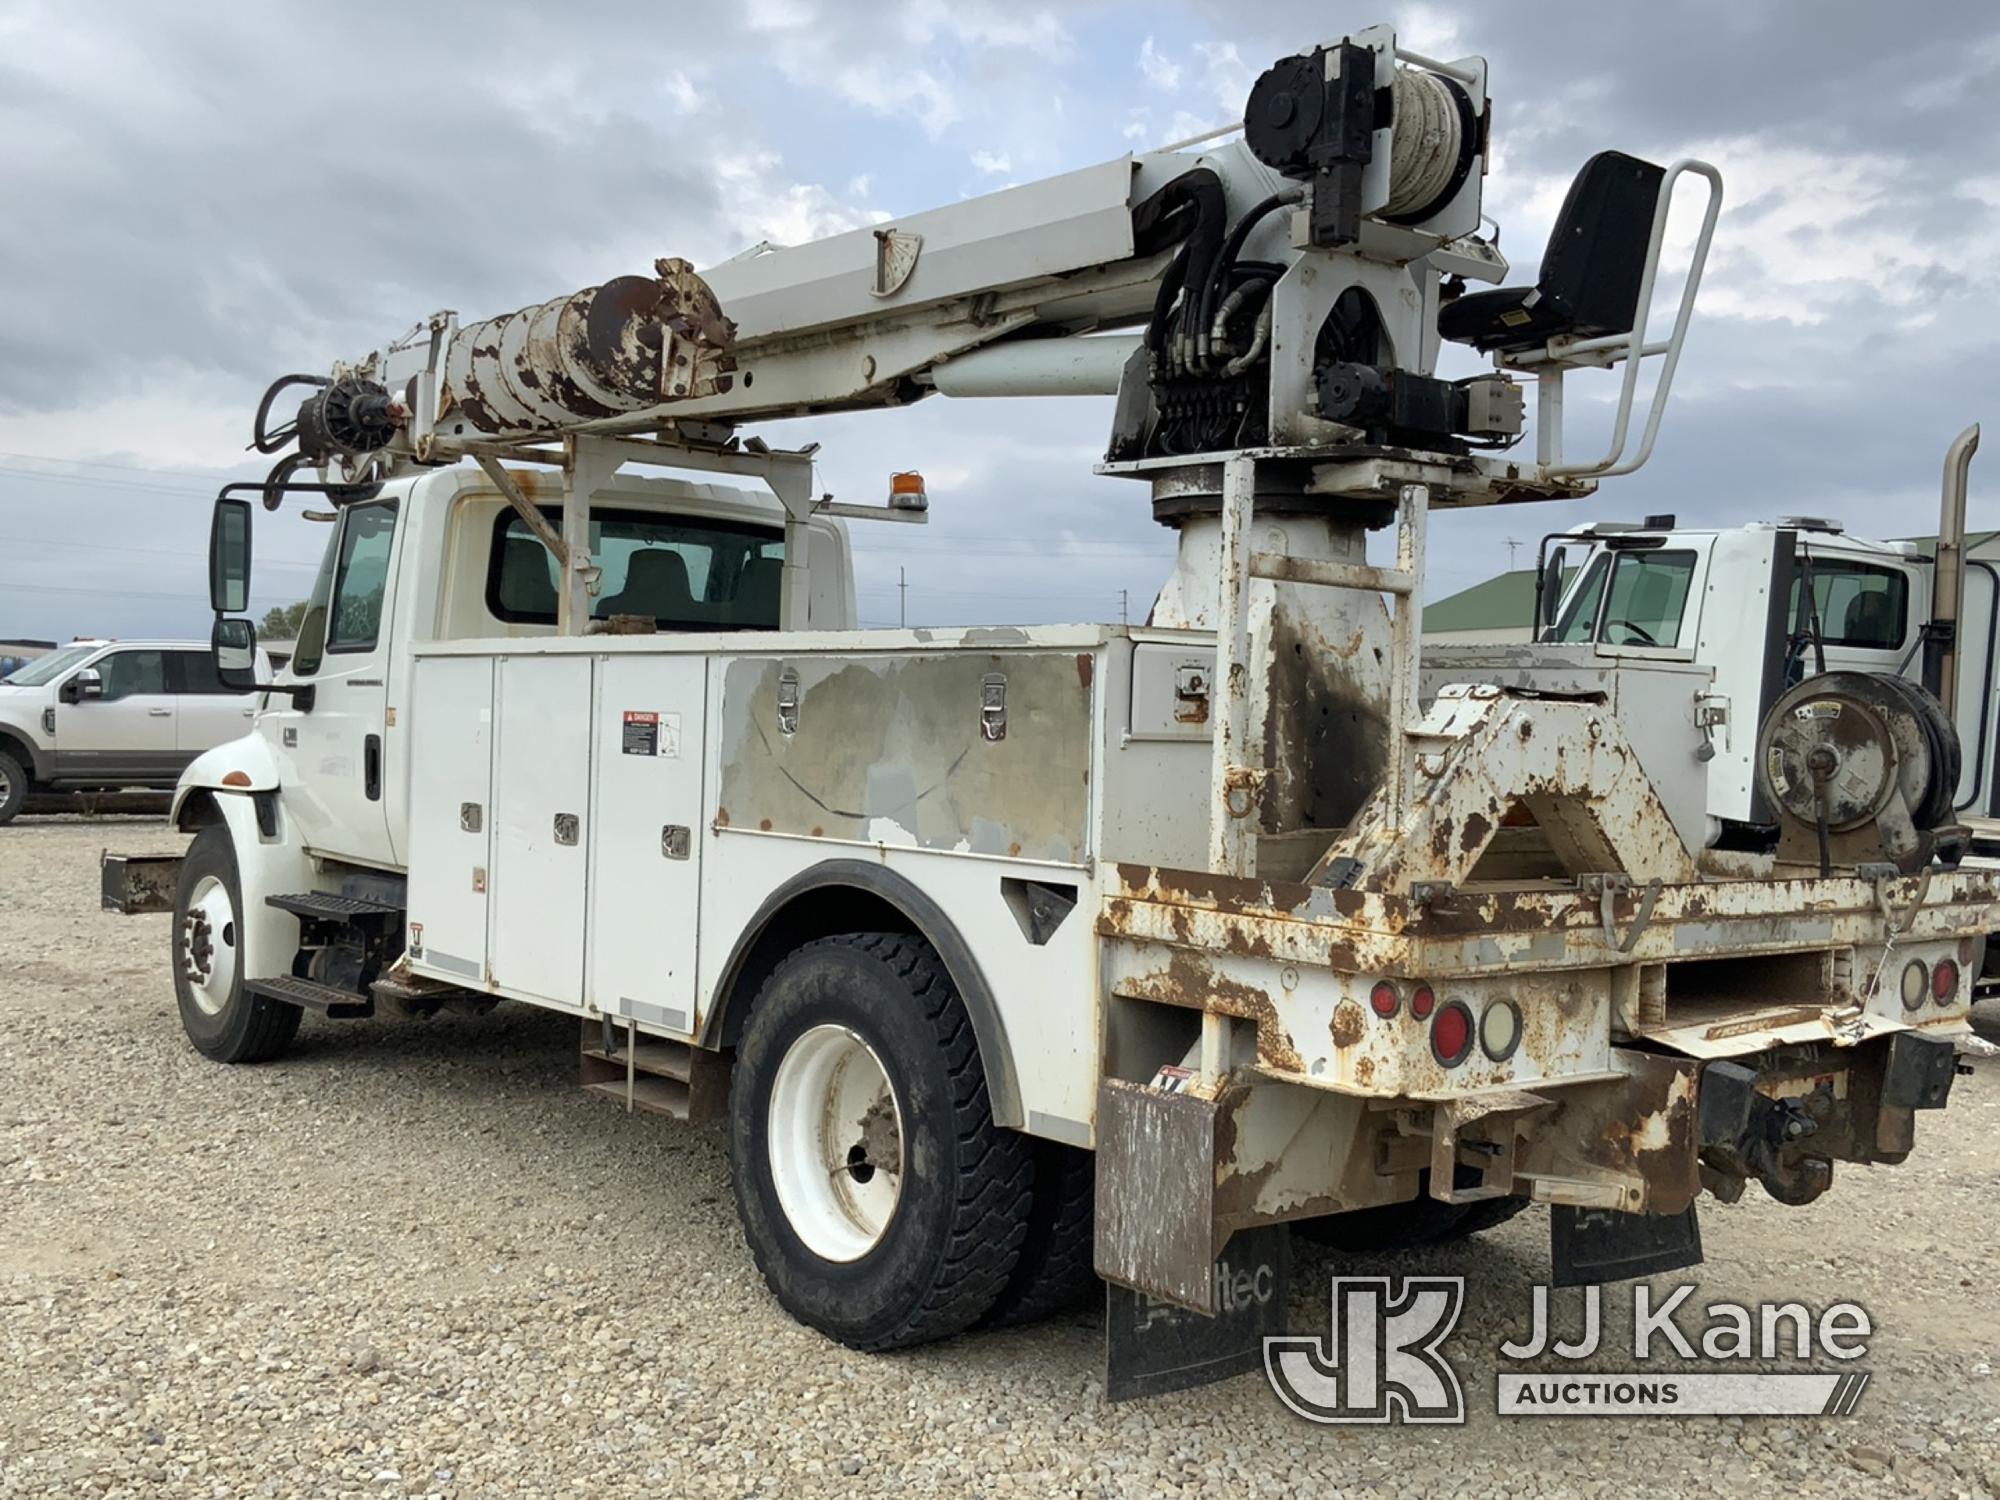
column 208, row 945
column 834, row 1134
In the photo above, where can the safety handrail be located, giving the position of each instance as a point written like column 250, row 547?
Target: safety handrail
column 1559, row 356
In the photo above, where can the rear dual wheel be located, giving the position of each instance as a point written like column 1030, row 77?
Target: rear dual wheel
column 882, row 1204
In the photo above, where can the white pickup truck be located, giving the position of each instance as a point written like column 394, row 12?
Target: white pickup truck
column 106, row 715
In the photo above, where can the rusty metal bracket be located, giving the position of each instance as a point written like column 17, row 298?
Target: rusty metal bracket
column 1897, row 922
column 1607, row 888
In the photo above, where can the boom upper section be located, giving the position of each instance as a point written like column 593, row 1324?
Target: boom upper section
column 1286, row 289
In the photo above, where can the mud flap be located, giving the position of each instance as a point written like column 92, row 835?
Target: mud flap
column 1152, row 1346
column 1592, row 1245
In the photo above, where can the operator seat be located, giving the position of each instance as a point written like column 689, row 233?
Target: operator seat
column 1589, row 285
column 656, row 587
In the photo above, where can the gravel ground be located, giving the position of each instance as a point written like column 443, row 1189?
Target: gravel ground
column 418, row 1260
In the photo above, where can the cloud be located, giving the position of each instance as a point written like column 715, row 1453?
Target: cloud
column 1159, row 70
column 187, row 218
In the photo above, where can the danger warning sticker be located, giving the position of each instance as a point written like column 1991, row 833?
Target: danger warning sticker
column 651, row 733
column 642, row 733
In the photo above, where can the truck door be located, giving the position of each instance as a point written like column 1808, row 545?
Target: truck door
column 125, row 732
column 1868, row 614
column 332, row 755
column 206, row 713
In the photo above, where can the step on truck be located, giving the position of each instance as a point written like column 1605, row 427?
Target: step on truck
column 1018, row 958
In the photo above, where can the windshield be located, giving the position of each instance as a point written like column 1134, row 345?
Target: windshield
column 1648, row 595
column 45, row 669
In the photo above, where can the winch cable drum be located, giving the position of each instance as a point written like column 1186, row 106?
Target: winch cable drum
column 1433, row 146
column 1859, row 767
column 632, row 343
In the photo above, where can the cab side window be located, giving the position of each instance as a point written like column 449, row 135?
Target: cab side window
column 126, row 673
column 1858, row 605
column 367, row 535
column 194, row 672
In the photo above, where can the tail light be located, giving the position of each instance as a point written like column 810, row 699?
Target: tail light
column 1451, row 1033
column 1944, row 981
column 1423, row 1000
column 1916, row 983
column 1385, row 999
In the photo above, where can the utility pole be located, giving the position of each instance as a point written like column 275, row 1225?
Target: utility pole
column 1124, row 614
column 902, row 597
column 1512, row 545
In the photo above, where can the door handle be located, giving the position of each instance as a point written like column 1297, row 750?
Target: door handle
column 371, row 767
column 159, row 713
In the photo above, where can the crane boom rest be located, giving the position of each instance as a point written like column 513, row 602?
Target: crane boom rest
column 1282, row 920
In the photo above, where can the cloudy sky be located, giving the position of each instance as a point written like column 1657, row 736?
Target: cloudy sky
column 195, row 199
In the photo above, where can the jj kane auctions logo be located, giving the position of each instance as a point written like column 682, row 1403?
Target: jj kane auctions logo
column 1383, row 1358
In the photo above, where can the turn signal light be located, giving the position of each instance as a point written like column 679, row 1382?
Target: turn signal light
column 236, row 778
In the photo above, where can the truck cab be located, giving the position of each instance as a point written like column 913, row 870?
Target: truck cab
column 102, row 715
column 445, row 557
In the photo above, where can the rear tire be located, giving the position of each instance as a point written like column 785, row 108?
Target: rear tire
column 1056, row 1272
column 223, row 1021
column 881, row 1203
column 13, row 788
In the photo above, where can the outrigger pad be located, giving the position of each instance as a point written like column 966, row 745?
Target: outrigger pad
column 1592, row 1245
column 1152, row 1346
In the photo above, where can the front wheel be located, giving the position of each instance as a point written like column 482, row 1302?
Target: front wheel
column 13, row 788
column 882, row 1204
column 222, row 1020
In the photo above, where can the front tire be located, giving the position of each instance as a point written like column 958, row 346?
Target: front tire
column 222, row 1020
column 881, row 1203
column 13, row 788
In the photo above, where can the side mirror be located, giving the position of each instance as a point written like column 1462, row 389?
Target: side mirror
column 229, row 557
column 1549, row 589
column 233, row 643
column 89, row 683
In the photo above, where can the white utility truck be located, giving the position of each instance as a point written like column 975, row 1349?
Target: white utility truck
column 1015, row 956
column 1761, row 608
column 109, row 716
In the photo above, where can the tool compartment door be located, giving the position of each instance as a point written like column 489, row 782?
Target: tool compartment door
column 646, row 858
column 451, row 783
column 541, row 826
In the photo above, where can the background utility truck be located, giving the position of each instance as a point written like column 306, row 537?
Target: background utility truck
column 1017, row 954
column 1766, row 606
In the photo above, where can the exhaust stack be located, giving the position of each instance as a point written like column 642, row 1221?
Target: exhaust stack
column 1948, row 587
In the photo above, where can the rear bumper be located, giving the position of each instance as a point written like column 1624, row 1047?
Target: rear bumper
column 1179, row 1173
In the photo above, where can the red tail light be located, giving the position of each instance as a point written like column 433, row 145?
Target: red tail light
column 1944, row 981
column 1451, row 1033
column 1422, row 1002
column 1385, row 999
